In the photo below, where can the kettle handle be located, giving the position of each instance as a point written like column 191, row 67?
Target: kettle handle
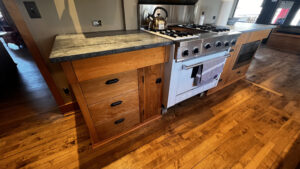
column 161, row 9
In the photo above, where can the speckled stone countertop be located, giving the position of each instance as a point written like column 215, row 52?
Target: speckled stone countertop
column 249, row 27
column 79, row 46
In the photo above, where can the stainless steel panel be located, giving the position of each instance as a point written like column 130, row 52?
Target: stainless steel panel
column 178, row 14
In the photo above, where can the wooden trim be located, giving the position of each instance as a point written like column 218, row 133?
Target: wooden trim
column 95, row 67
column 69, row 107
column 265, row 88
column 69, row 71
column 17, row 17
column 97, row 145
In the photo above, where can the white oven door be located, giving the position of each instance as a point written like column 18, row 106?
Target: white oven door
column 196, row 74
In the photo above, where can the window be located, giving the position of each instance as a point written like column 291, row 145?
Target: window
column 248, row 10
column 281, row 12
column 296, row 19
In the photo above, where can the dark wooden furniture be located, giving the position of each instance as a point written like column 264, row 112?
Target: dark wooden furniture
column 118, row 93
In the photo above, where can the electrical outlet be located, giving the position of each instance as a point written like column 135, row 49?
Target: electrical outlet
column 32, row 9
column 97, row 23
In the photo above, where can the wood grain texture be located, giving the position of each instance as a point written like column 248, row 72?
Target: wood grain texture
column 104, row 111
column 96, row 90
column 68, row 69
column 284, row 42
column 108, row 127
column 258, row 35
column 116, row 63
column 150, row 89
column 239, row 126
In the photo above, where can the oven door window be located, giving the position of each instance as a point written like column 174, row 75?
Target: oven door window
column 246, row 54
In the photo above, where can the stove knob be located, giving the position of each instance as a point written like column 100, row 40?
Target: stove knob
column 185, row 53
column 218, row 44
column 233, row 42
column 226, row 43
column 196, row 51
column 207, row 46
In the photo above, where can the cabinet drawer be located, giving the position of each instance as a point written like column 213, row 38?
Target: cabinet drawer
column 115, row 106
column 118, row 124
column 107, row 87
column 238, row 73
column 113, row 120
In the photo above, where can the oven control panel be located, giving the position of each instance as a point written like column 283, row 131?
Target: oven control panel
column 201, row 47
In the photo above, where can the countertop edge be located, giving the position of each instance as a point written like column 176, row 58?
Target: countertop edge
column 102, row 53
column 254, row 29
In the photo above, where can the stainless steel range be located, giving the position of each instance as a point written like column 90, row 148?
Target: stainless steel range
column 197, row 58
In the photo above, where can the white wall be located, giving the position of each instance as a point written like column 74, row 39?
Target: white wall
column 210, row 7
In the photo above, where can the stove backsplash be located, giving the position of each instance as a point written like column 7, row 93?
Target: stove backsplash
column 178, row 14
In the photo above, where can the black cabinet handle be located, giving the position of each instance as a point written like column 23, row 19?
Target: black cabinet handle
column 116, row 103
column 158, row 80
column 220, row 80
column 119, row 121
column 112, row 81
column 238, row 72
column 231, row 50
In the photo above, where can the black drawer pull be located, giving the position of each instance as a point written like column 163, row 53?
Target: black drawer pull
column 119, row 121
column 231, row 50
column 158, row 80
column 238, row 72
column 116, row 103
column 112, row 81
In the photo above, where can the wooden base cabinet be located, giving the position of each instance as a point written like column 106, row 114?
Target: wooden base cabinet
column 115, row 102
column 231, row 74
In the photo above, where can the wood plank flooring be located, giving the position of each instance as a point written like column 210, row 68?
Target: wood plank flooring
column 241, row 126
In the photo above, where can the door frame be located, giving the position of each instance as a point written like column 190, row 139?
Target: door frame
column 15, row 14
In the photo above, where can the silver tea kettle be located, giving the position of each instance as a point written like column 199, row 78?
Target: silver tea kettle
column 158, row 22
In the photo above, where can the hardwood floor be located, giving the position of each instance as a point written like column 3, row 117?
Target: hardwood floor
column 241, row 126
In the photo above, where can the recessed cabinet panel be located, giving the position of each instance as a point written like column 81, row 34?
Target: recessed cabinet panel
column 150, row 90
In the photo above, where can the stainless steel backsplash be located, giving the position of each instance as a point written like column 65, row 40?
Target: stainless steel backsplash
column 178, row 14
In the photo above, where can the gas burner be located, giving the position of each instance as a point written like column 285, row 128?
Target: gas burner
column 207, row 27
column 174, row 33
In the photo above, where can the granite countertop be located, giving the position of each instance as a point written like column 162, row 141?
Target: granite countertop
column 249, row 27
column 69, row 47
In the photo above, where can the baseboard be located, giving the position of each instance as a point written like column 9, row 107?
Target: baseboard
column 69, row 108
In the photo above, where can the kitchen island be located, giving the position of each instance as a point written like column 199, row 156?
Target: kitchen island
column 116, row 77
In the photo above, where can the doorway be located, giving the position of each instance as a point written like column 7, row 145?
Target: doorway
column 22, row 85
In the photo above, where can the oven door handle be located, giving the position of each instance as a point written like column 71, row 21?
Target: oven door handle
column 191, row 66
column 198, row 64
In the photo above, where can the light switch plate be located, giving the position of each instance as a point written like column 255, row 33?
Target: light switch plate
column 32, row 9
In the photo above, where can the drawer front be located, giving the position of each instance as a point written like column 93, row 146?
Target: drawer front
column 111, row 120
column 118, row 124
column 95, row 67
column 238, row 73
column 107, row 87
column 115, row 106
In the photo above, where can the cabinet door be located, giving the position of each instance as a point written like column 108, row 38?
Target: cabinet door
column 150, row 91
